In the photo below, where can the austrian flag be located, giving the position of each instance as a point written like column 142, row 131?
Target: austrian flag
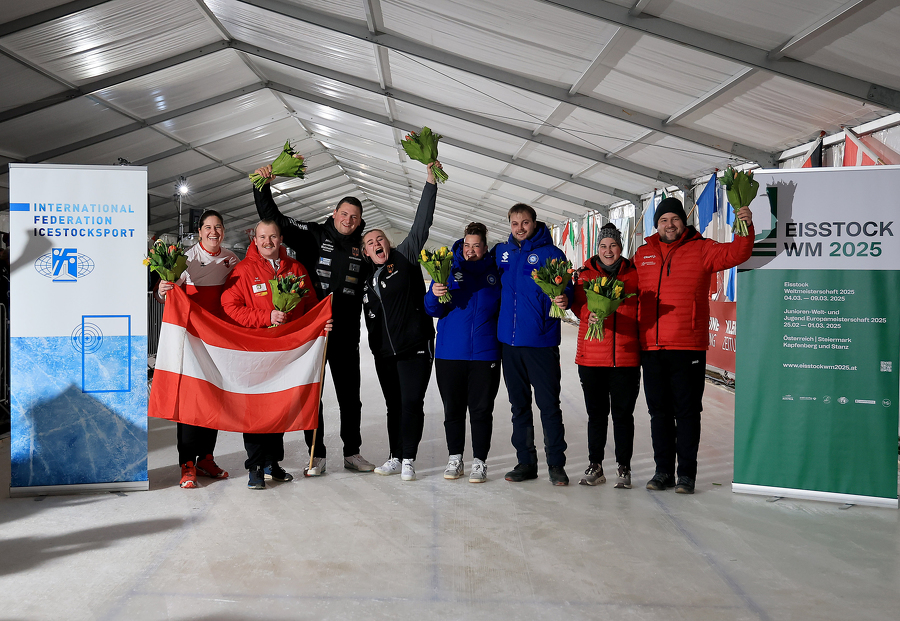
column 215, row 374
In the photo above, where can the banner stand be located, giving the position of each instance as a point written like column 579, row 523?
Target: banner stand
column 84, row 488
column 805, row 494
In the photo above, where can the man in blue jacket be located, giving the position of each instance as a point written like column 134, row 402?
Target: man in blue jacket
column 530, row 339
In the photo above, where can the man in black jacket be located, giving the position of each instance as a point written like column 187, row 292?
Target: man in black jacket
column 331, row 254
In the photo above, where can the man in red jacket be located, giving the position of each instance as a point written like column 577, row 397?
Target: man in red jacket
column 247, row 300
column 674, row 269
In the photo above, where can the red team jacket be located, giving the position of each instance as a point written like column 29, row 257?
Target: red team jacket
column 247, row 297
column 619, row 347
column 674, row 287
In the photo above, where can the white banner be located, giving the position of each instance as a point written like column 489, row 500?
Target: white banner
column 78, row 324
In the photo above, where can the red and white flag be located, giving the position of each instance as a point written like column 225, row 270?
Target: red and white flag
column 813, row 157
column 857, row 152
column 218, row 375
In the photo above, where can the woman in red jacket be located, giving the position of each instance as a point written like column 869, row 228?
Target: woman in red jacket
column 610, row 369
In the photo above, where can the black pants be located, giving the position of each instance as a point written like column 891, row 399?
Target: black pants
column 610, row 389
column 538, row 367
column 343, row 361
column 673, row 384
column 194, row 442
column 404, row 380
column 263, row 449
column 471, row 384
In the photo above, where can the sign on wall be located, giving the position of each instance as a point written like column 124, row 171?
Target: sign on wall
column 816, row 403
column 78, row 325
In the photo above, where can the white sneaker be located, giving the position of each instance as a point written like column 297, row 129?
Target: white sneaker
column 318, row 467
column 478, row 474
column 358, row 463
column 409, row 470
column 454, row 468
column 391, row 466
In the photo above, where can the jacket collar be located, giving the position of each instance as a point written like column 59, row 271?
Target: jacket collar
column 253, row 253
column 353, row 239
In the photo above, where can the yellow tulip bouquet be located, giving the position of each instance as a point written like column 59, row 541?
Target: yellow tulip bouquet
column 603, row 295
column 437, row 264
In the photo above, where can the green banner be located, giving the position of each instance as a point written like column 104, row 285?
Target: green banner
column 822, row 411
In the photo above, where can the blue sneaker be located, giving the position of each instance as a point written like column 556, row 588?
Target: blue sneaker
column 256, row 478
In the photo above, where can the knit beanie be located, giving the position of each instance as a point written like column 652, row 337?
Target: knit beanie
column 669, row 205
column 609, row 230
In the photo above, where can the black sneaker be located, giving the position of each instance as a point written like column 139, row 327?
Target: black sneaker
column 256, row 478
column 558, row 475
column 277, row 473
column 522, row 472
column 661, row 481
column 685, row 485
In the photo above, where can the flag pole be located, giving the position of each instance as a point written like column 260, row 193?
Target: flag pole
column 312, row 448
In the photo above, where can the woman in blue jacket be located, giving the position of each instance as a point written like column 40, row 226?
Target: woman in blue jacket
column 467, row 353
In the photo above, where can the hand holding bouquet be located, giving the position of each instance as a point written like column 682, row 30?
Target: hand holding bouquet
column 552, row 278
column 437, row 264
column 287, row 291
column 288, row 164
column 603, row 295
column 741, row 189
column 422, row 147
column 167, row 261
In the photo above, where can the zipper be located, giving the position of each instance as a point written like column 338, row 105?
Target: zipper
column 614, row 336
column 668, row 265
column 377, row 289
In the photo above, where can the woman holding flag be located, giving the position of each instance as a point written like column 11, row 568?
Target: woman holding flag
column 208, row 267
column 609, row 369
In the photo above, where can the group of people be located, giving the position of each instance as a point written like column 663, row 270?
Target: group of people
column 492, row 319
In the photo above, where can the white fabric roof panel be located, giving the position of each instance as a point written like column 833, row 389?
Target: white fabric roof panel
column 618, row 178
column 870, row 51
column 557, row 158
column 213, row 178
column 29, row 85
column 516, row 192
column 57, row 126
column 331, row 138
column 227, row 118
column 678, row 156
column 776, row 113
column 321, row 86
column 594, row 130
column 528, row 37
column 450, row 152
column 765, row 24
column 265, row 139
column 313, row 114
column 238, row 188
column 181, row 85
column 175, row 165
column 451, row 127
column 113, row 37
column 579, row 191
column 296, row 39
column 133, row 146
column 481, row 96
column 659, row 77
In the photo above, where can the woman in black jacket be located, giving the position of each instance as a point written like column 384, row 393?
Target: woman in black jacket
column 401, row 334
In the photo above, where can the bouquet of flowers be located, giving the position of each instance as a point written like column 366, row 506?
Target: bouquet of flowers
column 287, row 291
column 741, row 189
column 604, row 295
column 437, row 264
column 289, row 163
column 167, row 261
column 422, row 147
column 552, row 278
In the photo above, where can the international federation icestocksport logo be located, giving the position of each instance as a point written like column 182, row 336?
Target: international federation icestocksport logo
column 64, row 265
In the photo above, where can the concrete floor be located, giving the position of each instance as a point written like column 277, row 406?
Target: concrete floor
column 360, row 545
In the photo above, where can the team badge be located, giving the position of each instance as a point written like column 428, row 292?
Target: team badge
column 354, row 251
column 533, row 258
column 492, row 280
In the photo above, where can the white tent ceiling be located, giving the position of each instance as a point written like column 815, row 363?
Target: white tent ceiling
column 567, row 105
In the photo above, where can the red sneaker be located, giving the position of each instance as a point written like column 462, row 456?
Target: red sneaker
column 189, row 476
column 209, row 468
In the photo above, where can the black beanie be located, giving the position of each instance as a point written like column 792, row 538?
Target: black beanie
column 669, row 205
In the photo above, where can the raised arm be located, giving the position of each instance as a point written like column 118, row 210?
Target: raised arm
column 296, row 234
column 418, row 233
column 717, row 257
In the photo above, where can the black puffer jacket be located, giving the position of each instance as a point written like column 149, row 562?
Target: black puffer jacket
column 394, row 295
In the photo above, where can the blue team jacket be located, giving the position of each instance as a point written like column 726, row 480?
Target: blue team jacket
column 467, row 324
column 524, row 308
